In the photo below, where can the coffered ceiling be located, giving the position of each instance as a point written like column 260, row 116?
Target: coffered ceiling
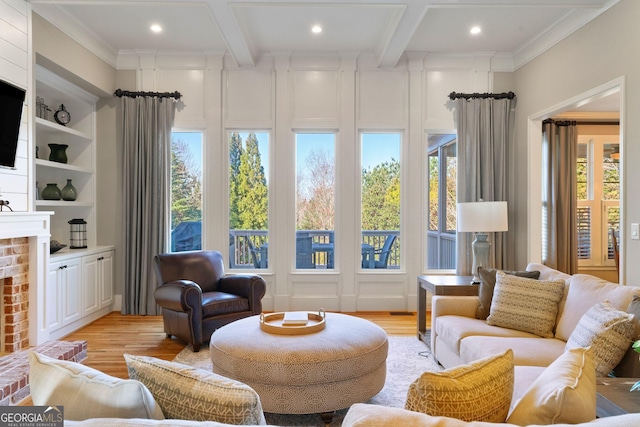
column 515, row 30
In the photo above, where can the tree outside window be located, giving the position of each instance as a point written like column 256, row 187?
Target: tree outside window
column 248, row 199
column 186, row 191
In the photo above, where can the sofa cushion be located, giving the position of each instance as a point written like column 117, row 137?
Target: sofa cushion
column 564, row 393
column 478, row 391
column 584, row 292
column 190, row 393
column 86, row 392
column 607, row 331
column 525, row 304
column 530, row 351
column 453, row 329
column 487, row 285
column 368, row 415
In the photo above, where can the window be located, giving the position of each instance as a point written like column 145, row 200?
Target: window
column 186, row 191
column 598, row 194
column 315, row 200
column 248, row 199
column 441, row 229
column 380, row 220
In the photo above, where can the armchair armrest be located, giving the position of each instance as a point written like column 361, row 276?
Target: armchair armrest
column 179, row 295
column 250, row 286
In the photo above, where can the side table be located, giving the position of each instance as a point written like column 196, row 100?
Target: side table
column 439, row 285
column 614, row 398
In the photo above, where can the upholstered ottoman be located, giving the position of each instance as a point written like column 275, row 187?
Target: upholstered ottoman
column 319, row 372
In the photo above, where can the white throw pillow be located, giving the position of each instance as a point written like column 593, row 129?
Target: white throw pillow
column 188, row 393
column 564, row 393
column 86, row 392
column 524, row 304
column 607, row 331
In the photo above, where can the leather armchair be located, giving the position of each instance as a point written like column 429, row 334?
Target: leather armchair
column 197, row 297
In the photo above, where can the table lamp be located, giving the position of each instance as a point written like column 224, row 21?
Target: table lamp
column 481, row 218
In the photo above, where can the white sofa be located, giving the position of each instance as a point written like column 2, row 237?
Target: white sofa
column 365, row 415
column 458, row 337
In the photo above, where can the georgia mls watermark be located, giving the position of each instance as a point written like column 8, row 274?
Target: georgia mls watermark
column 31, row 416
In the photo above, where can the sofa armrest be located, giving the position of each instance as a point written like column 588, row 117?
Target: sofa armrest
column 445, row 305
column 179, row 295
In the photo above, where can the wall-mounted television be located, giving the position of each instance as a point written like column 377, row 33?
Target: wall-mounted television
column 11, row 101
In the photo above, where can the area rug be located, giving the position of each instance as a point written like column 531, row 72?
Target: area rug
column 408, row 358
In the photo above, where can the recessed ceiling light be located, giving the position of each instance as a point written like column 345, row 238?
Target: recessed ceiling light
column 475, row 30
column 156, row 28
column 316, row 29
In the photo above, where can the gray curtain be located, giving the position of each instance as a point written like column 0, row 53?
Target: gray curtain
column 485, row 133
column 147, row 123
column 559, row 230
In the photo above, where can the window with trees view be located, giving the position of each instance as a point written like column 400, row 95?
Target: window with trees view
column 598, row 197
column 380, row 222
column 441, row 230
column 315, row 200
column 186, row 191
column 248, row 199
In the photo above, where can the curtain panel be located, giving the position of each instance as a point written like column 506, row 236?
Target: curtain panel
column 485, row 134
column 147, row 123
column 559, row 230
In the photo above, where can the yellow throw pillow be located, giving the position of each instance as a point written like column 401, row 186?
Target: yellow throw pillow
column 564, row 393
column 480, row 391
column 188, row 393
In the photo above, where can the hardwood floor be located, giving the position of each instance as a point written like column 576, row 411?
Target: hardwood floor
column 110, row 337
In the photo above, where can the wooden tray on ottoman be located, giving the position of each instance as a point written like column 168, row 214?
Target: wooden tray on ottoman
column 272, row 323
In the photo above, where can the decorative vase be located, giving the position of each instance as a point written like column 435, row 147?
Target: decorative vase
column 58, row 153
column 51, row 192
column 69, row 192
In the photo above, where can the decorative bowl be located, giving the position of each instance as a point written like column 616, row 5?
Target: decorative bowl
column 55, row 246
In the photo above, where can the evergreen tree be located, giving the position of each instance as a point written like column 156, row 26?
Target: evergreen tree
column 235, row 153
column 381, row 197
column 252, row 188
column 186, row 188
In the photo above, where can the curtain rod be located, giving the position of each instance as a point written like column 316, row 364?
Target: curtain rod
column 120, row 93
column 503, row 95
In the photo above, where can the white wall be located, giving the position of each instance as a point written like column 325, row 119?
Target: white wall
column 285, row 94
column 15, row 69
column 600, row 55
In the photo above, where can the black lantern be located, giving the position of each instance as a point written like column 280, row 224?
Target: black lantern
column 78, row 237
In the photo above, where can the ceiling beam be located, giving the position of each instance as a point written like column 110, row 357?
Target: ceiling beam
column 399, row 33
column 242, row 52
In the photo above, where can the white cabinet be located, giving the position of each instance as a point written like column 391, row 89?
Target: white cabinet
column 64, row 291
column 97, row 274
column 79, row 289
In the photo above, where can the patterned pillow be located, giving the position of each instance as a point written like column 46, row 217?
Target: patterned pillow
column 193, row 394
column 607, row 331
column 478, row 391
column 86, row 392
column 487, row 285
column 565, row 392
column 525, row 304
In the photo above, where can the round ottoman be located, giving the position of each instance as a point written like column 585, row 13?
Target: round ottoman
column 321, row 372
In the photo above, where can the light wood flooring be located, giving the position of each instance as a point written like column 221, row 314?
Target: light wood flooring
column 110, row 337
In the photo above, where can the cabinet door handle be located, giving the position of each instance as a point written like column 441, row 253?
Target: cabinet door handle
column 101, row 258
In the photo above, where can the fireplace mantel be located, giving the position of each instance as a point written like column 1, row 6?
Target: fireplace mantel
column 35, row 226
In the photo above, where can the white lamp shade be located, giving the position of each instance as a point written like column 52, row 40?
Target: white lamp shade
column 482, row 217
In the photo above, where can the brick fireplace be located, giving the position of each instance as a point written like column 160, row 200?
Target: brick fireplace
column 14, row 288
column 24, row 261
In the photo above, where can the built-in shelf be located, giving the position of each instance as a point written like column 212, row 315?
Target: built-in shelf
column 62, row 166
column 48, row 127
column 63, row 203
